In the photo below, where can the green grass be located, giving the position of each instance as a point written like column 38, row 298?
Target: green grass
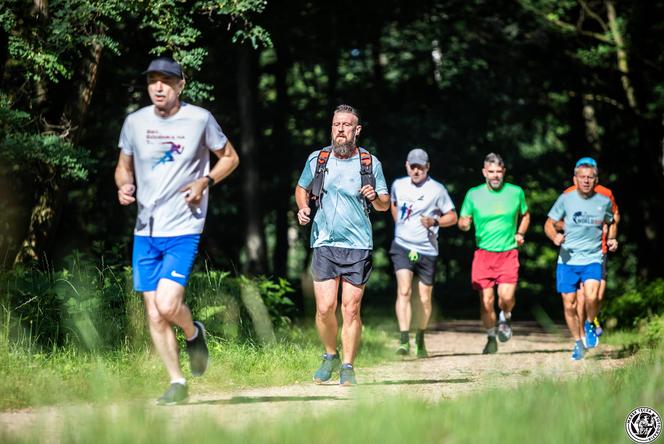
column 589, row 409
column 68, row 375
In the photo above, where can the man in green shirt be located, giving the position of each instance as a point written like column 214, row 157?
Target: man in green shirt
column 496, row 208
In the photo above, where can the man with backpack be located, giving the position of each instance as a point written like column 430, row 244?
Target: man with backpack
column 344, row 182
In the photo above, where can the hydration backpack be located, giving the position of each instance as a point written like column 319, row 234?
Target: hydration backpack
column 317, row 185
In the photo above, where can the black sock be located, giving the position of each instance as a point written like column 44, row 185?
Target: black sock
column 405, row 337
column 419, row 337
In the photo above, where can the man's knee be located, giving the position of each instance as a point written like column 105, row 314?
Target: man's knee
column 569, row 304
column 350, row 310
column 404, row 293
column 156, row 319
column 168, row 307
column 325, row 310
column 487, row 300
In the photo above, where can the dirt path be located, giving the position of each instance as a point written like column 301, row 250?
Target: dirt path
column 455, row 367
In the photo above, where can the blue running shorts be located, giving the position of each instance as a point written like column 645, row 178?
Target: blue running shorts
column 156, row 258
column 568, row 277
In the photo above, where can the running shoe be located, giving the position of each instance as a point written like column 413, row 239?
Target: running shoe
column 577, row 353
column 330, row 364
column 591, row 335
column 491, row 346
column 421, row 350
column 198, row 352
column 598, row 327
column 347, row 375
column 504, row 331
column 403, row 349
column 176, row 394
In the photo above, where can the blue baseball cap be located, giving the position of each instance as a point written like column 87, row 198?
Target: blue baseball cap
column 586, row 161
column 165, row 65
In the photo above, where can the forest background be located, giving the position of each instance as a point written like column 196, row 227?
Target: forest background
column 540, row 82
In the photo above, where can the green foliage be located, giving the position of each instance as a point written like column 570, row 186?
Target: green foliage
column 275, row 296
column 45, row 156
column 517, row 415
column 651, row 332
column 91, row 306
column 636, row 305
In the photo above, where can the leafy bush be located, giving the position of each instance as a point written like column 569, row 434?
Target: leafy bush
column 93, row 306
column 633, row 306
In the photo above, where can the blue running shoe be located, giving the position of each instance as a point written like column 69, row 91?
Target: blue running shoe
column 591, row 335
column 577, row 353
column 347, row 375
column 330, row 364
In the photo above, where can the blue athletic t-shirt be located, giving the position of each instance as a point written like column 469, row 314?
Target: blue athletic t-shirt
column 583, row 219
column 341, row 221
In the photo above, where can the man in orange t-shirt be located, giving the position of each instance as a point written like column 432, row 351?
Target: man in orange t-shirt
column 560, row 226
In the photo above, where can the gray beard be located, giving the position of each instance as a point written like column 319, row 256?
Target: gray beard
column 343, row 149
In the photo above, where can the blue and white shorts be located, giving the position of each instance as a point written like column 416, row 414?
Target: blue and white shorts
column 156, row 258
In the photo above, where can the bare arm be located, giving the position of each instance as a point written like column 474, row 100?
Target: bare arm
column 381, row 202
column 124, row 179
column 227, row 163
column 446, row 220
column 465, row 222
column 550, row 230
column 523, row 227
column 612, row 235
column 302, row 201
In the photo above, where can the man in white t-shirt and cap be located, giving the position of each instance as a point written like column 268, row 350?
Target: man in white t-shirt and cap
column 420, row 206
column 164, row 166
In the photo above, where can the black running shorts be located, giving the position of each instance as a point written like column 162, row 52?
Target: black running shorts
column 422, row 265
column 350, row 264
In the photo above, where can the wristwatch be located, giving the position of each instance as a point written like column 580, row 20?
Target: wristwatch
column 210, row 180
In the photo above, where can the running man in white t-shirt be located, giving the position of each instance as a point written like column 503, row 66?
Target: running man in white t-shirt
column 164, row 166
column 420, row 205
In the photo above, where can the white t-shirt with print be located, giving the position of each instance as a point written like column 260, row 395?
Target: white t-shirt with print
column 168, row 154
column 429, row 198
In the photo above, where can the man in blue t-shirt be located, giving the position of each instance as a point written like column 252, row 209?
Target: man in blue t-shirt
column 341, row 240
column 420, row 205
column 584, row 212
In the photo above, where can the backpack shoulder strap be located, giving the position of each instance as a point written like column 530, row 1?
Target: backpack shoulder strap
column 318, row 182
column 366, row 168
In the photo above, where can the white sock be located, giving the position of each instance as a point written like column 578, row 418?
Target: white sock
column 180, row 381
column 491, row 332
column 195, row 334
column 504, row 316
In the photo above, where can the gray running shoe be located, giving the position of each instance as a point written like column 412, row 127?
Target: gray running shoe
column 347, row 376
column 176, row 394
column 198, row 352
column 330, row 364
column 504, row 331
column 491, row 346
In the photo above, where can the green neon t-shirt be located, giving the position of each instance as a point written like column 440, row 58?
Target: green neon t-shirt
column 495, row 215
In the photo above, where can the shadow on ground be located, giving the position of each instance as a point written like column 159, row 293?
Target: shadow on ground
column 257, row 399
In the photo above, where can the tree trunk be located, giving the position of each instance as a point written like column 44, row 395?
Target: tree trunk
column 621, row 54
column 251, row 192
column 281, row 142
column 592, row 127
column 45, row 215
